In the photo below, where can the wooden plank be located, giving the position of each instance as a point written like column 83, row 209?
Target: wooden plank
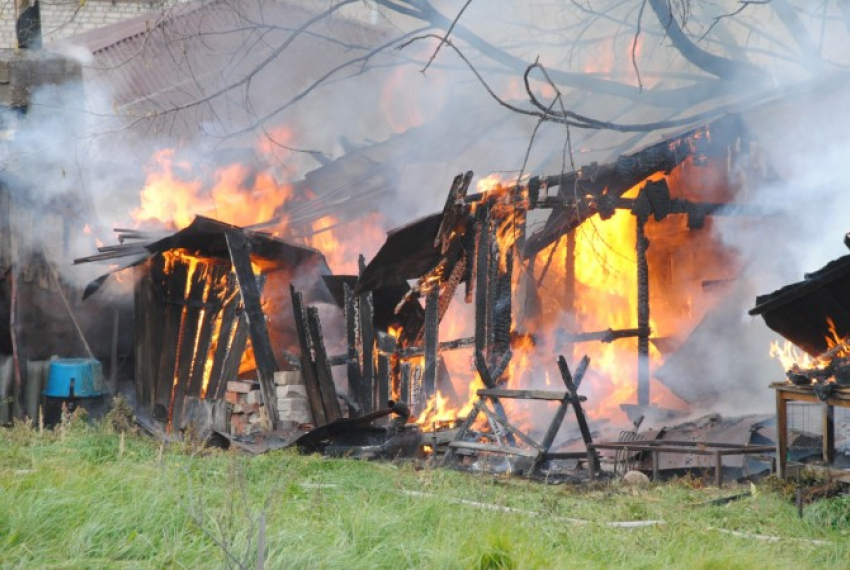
column 240, row 249
column 367, row 338
column 475, row 446
column 432, row 328
column 355, row 378
column 781, row 434
column 186, row 344
column 142, row 336
column 384, row 378
column 523, row 394
column 225, row 322
column 404, row 384
column 213, row 299
column 233, row 358
column 166, row 370
column 324, row 378
column 828, row 433
column 308, row 369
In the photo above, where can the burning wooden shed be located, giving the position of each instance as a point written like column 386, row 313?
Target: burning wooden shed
column 207, row 308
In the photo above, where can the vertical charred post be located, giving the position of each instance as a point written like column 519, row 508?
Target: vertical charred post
column 324, row 377
column 307, row 368
column 642, row 245
column 482, row 271
column 367, row 336
column 432, row 328
column 502, row 306
column 355, row 379
column 404, row 384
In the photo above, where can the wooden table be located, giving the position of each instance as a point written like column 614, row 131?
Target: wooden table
column 786, row 392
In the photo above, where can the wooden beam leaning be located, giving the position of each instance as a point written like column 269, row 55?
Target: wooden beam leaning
column 240, row 249
column 327, row 390
column 307, row 368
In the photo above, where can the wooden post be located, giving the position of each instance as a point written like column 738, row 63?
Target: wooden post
column 367, row 337
column 307, row 367
column 781, row 434
column 324, row 377
column 432, row 327
column 828, row 433
column 355, row 379
column 240, row 248
column 718, row 469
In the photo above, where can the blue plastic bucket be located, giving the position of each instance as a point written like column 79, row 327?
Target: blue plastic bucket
column 75, row 378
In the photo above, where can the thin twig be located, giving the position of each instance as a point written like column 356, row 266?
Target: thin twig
column 446, row 37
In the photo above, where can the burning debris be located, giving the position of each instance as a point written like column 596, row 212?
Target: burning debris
column 468, row 383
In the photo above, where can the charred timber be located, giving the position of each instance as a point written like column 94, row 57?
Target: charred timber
column 432, row 325
column 445, row 345
column 599, row 186
column 239, row 248
column 324, row 377
column 605, row 336
column 307, row 369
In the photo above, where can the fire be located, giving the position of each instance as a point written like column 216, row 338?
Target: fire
column 176, row 191
column 790, row 357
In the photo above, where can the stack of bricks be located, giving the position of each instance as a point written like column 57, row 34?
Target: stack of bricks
column 292, row 403
column 246, row 402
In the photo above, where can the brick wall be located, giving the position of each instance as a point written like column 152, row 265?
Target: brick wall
column 63, row 18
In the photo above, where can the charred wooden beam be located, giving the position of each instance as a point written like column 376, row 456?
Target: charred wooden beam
column 482, row 273
column 307, row 368
column 355, row 378
column 218, row 271
column 575, row 400
column 240, row 248
column 171, row 283
column 367, row 339
column 404, row 383
column 233, row 357
column 456, row 344
column 432, row 331
column 324, row 377
column 453, row 213
column 384, row 393
column 606, row 336
column 186, row 345
column 217, row 384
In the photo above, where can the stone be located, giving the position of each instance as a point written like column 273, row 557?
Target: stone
column 254, row 397
column 635, row 479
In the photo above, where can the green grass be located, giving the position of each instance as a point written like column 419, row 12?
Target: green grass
column 75, row 501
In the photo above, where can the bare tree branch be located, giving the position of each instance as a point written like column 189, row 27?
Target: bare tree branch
column 446, row 37
column 715, row 65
